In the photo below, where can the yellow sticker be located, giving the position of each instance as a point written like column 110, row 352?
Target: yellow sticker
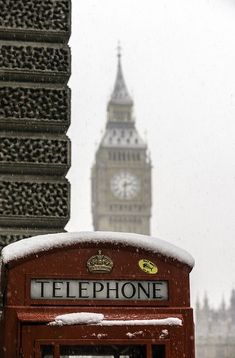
column 148, row 266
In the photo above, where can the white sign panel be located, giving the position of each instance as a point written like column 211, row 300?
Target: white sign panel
column 48, row 289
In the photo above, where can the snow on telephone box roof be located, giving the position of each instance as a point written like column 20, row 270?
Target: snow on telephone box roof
column 44, row 243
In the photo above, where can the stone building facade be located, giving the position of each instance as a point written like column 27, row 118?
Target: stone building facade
column 121, row 175
column 215, row 330
column 35, row 67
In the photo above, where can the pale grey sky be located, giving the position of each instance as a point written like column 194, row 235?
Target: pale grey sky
column 178, row 61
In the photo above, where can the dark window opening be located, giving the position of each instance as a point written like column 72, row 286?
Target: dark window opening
column 47, row 351
column 159, row 351
column 112, row 351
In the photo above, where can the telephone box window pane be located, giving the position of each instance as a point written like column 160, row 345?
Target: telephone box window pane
column 159, row 351
column 47, row 351
column 112, row 351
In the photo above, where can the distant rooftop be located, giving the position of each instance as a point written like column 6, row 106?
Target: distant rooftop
column 118, row 137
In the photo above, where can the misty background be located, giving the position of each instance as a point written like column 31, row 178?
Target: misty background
column 179, row 65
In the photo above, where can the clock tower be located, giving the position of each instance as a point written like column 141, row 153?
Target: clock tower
column 121, row 175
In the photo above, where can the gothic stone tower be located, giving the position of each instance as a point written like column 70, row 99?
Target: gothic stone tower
column 121, row 175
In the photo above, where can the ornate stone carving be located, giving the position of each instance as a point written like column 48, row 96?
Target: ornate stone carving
column 9, row 236
column 34, row 103
column 9, row 239
column 34, row 199
column 33, row 150
column 35, row 14
column 34, row 58
column 34, row 108
column 35, row 19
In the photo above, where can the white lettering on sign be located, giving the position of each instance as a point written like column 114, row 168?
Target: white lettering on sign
column 48, row 289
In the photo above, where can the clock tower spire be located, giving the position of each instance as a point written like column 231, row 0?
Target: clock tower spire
column 120, row 95
column 121, row 175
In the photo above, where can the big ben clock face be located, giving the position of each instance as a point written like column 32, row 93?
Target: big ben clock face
column 125, row 185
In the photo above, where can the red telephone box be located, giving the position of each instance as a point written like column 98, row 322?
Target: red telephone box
column 101, row 294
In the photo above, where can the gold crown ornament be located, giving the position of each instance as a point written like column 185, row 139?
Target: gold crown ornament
column 99, row 263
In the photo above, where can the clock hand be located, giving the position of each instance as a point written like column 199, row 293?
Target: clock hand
column 125, row 184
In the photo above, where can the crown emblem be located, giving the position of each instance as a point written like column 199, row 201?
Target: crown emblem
column 99, row 263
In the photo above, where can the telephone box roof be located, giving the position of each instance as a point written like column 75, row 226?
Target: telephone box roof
column 44, row 243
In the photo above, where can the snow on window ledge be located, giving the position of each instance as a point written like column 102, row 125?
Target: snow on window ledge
column 77, row 318
column 98, row 318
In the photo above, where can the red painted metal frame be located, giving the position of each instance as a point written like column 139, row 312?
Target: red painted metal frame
column 24, row 320
column 57, row 343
